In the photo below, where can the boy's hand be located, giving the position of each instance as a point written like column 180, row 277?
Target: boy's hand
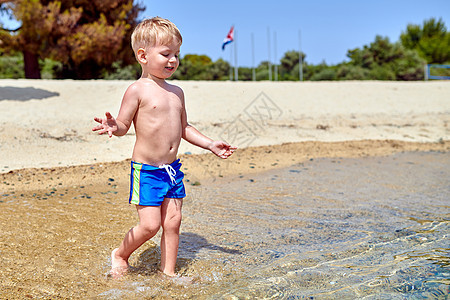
column 108, row 125
column 221, row 149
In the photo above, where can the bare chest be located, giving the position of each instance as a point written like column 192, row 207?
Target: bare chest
column 160, row 108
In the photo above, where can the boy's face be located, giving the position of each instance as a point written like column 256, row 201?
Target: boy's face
column 162, row 60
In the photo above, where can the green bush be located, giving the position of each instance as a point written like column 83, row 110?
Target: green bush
column 325, row 74
column 50, row 68
column 130, row 72
column 350, row 72
column 11, row 67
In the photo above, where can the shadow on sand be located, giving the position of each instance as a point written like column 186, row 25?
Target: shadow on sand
column 24, row 93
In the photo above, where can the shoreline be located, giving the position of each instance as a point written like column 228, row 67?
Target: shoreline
column 200, row 168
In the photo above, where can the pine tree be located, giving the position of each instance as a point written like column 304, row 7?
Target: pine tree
column 87, row 36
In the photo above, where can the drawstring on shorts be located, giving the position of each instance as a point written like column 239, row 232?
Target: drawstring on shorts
column 170, row 171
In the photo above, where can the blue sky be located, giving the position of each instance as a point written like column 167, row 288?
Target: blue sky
column 328, row 27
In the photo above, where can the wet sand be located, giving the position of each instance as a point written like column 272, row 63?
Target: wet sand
column 271, row 220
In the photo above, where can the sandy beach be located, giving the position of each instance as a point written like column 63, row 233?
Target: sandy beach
column 64, row 188
column 48, row 123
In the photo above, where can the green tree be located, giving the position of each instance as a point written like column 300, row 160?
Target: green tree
column 325, row 74
column 289, row 67
column 86, row 36
column 220, row 70
column 382, row 60
column 193, row 67
column 431, row 41
column 348, row 71
column 262, row 71
column 201, row 67
column 319, row 72
column 245, row 74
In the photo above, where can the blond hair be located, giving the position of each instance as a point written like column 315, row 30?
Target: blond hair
column 154, row 31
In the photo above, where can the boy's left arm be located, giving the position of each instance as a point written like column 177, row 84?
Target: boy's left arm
column 195, row 137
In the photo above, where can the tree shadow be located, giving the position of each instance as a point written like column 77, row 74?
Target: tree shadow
column 24, row 93
column 190, row 245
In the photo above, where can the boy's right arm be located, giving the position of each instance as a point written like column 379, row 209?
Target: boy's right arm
column 120, row 126
column 107, row 125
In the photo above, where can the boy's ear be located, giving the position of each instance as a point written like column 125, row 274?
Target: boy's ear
column 141, row 56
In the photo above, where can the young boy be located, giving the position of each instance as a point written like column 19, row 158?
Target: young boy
column 158, row 112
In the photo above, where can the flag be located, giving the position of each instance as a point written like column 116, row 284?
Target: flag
column 229, row 38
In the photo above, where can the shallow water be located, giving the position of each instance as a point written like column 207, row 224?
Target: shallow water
column 354, row 228
column 330, row 228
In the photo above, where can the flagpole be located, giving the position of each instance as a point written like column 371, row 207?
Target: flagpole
column 300, row 56
column 235, row 57
column 253, row 58
column 275, row 55
column 229, row 39
column 268, row 48
column 231, row 63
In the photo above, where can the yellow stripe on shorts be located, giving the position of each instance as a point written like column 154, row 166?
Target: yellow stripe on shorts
column 136, row 183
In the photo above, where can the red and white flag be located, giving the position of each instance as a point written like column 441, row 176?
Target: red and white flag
column 229, row 38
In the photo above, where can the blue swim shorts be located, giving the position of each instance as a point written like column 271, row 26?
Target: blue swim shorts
column 149, row 185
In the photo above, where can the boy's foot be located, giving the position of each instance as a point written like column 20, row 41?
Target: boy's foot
column 119, row 268
column 177, row 279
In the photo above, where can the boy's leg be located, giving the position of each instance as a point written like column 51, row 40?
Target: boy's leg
column 170, row 221
column 149, row 224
